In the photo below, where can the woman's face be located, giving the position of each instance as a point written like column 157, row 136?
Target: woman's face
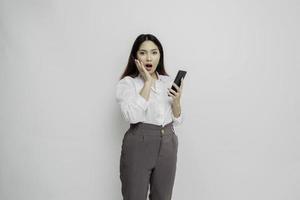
column 149, row 55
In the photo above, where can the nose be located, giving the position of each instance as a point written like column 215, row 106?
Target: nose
column 148, row 57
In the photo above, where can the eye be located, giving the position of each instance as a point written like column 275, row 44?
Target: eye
column 155, row 52
column 142, row 53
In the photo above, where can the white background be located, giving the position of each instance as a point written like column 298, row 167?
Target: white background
column 61, row 128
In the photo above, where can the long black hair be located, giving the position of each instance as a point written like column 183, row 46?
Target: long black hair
column 131, row 68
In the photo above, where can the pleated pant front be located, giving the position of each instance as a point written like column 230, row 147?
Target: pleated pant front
column 148, row 158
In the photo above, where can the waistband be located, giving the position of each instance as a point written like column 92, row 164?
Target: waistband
column 142, row 128
column 142, row 125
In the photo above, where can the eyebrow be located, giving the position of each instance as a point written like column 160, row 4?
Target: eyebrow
column 145, row 50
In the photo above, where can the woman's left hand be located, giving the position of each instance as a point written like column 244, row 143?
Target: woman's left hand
column 176, row 95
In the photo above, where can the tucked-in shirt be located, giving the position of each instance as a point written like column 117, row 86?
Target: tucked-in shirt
column 135, row 108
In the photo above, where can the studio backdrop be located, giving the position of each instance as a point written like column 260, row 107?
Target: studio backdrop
column 61, row 128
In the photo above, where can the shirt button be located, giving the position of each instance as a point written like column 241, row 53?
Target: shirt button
column 162, row 131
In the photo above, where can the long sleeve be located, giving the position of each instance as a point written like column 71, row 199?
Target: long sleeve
column 177, row 120
column 133, row 106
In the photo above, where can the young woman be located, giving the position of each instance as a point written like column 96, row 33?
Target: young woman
column 147, row 102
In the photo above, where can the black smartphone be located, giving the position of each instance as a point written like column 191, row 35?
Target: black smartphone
column 177, row 81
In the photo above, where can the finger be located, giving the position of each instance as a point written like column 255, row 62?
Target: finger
column 176, row 86
column 140, row 66
column 173, row 91
column 181, row 84
column 137, row 63
column 143, row 66
column 171, row 95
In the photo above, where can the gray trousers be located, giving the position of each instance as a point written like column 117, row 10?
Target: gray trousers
column 148, row 157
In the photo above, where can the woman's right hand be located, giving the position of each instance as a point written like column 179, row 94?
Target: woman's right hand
column 145, row 74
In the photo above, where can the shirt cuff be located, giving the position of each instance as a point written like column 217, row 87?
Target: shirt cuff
column 177, row 120
column 141, row 101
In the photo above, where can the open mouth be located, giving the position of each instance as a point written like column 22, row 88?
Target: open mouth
column 148, row 67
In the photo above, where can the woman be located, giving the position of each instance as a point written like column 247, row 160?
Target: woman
column 147, row 102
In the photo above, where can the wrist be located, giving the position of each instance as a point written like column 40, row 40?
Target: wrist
column 149, row 83
column 176, row 104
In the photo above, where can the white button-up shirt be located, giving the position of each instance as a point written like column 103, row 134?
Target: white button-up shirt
column 135, row 108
